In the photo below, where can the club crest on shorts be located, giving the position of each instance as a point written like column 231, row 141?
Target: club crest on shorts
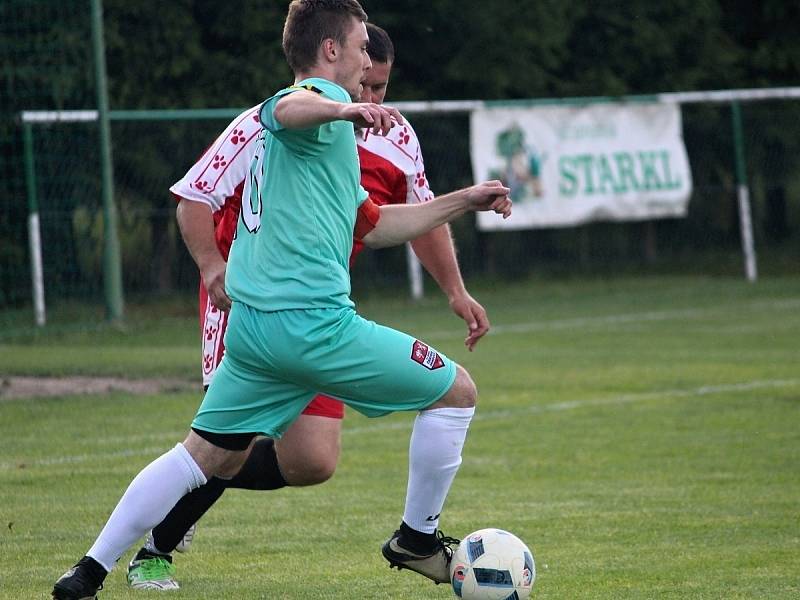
column 426, row 356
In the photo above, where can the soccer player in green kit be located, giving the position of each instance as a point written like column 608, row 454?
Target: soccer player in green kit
column 293, row 331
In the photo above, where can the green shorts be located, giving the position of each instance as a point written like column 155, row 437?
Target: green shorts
column 276, row 362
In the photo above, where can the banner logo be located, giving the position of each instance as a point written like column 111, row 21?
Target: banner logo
column 522, row 166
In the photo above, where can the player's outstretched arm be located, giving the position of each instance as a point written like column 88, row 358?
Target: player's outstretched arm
column 304, row 109
column 197, row 228
column 400, row 223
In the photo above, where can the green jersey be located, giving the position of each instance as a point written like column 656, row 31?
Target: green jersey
column 299, row 205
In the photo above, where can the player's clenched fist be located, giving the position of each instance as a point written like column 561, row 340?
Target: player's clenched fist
column 490, row 195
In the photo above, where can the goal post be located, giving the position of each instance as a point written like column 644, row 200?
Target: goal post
column 28, row 119
column 743, row 196
column 34, row 229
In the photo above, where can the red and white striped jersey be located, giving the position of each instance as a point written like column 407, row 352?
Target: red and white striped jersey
column 217, row 178
column 392, row 171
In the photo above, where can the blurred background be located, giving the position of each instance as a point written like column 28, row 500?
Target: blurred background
column 204, row 54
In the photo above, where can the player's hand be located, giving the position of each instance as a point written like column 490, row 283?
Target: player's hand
column 490, row 195
column 214, row 280
column 474, row 315
column 368, row 115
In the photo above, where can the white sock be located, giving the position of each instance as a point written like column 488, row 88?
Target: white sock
column 434, row 455
column 148, row 499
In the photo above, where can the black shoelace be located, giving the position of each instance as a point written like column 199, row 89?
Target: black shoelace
column 446, row 542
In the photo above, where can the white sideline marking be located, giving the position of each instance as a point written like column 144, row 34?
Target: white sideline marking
column 613, row 401
column 637, row 317
column 487, row 415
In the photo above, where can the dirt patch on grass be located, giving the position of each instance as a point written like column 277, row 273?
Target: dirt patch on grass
column 38, row 387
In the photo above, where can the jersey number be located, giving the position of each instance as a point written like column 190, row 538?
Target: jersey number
column 251, row 196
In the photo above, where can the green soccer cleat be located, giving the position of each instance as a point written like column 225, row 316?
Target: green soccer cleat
column 152, row 572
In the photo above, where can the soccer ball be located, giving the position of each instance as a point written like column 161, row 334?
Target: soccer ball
column 492, row 564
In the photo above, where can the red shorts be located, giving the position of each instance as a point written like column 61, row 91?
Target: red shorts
column 212, row 324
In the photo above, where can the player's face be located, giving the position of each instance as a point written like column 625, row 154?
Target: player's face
column 353, row 62
column 376, row 82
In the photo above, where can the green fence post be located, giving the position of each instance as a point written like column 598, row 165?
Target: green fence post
column 112, row 267
column 743, row 193
column 34, row 230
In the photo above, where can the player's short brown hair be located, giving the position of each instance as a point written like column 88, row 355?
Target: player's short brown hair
column 309, row 22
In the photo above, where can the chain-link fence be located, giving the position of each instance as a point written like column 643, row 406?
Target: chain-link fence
column 44, row 68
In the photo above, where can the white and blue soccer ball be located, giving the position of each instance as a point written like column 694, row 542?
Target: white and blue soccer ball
column 492, row 564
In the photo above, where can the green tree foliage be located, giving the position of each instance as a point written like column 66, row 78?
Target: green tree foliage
column 642, row 47
column 194, row 54
column 767, row 33
column 205, row 53
column 211, row 54
column 489, row 50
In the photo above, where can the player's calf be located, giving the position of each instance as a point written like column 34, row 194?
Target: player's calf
column 187, row 539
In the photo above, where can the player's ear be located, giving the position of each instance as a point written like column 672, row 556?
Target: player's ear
column 329, row 49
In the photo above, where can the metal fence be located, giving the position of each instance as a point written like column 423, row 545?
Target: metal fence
column 744, row 168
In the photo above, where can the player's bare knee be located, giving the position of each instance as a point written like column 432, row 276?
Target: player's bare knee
column 462, row 394
column 213, row 460
column 316, row 472
column 311, row 465
column 310, row 473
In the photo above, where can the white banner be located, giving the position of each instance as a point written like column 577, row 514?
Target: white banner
column 568, row 165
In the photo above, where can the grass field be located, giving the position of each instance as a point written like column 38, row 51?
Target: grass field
column 641, row 435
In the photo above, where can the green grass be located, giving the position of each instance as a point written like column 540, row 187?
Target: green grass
column 641, row 435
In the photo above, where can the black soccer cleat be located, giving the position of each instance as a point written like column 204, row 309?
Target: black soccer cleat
column 435, row 565
column 77, row 583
